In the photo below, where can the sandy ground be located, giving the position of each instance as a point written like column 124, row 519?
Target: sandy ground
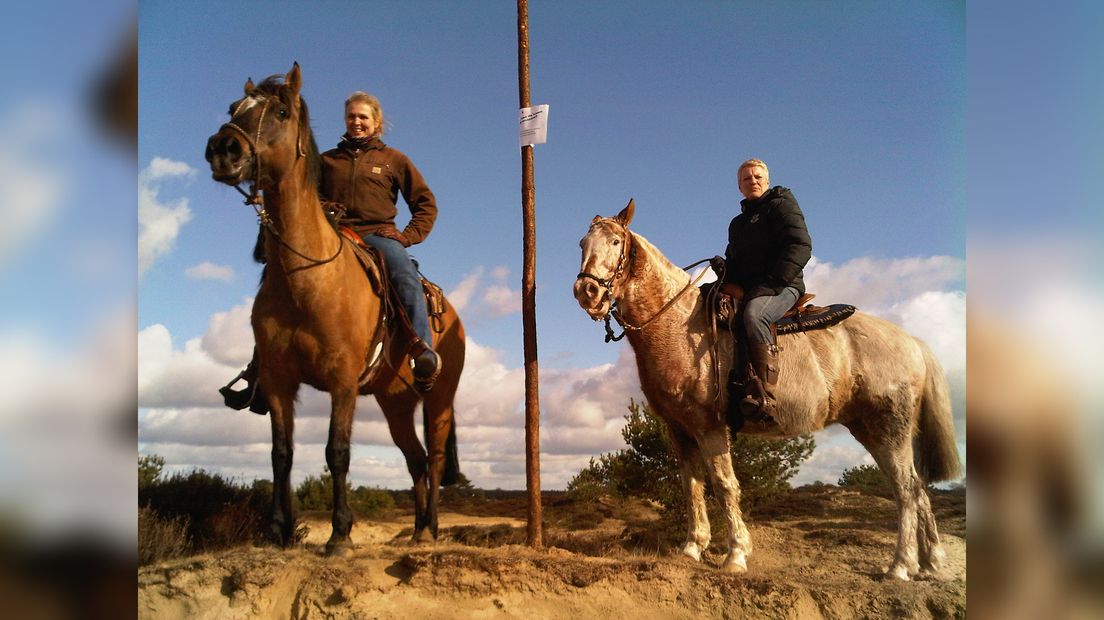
column 819, row 555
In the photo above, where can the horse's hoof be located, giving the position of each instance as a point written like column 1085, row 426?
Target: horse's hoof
column 692, row 551
column 341, row 549
column 423, row 537
column 735, row 563
column 899, row 572
column 275, row 537
column 936, row 560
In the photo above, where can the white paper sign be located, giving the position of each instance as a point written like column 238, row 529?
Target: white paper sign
column 534, row 125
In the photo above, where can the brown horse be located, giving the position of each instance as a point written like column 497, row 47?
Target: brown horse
column 316, row 315
column 865, row 373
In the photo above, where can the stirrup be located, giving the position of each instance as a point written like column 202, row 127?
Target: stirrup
column 423, row 383
column 251, row 396
column 754, row 409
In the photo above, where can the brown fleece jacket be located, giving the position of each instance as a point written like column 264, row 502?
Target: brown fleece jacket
column 367, row 182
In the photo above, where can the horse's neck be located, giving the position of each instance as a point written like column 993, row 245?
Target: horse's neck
column 654, row 281
column 297, row 217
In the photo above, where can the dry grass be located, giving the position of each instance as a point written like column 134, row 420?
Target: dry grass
column 161, row 538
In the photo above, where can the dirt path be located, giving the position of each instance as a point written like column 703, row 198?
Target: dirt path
column 824, row 562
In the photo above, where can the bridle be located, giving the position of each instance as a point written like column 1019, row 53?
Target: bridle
column 627, row 259
column 623, row 261
column 254, row 199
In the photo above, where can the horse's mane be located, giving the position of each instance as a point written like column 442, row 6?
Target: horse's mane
column 274, row 85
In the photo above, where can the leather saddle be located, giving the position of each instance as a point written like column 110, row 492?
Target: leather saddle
column 373, row 264
column 803, row 316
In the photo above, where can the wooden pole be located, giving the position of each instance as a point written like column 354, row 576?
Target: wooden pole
column 529, row 298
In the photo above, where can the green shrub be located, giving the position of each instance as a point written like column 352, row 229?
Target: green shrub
column 216, row 512
column 371, row 502
column 647, row 468
column 149, row 469
column 867, row 478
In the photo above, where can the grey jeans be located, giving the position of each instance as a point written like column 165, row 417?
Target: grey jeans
column 760, row 312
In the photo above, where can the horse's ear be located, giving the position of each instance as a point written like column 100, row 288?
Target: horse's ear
column 595, row 220
column 626, row 214
column 294, row 79
column 249, row 87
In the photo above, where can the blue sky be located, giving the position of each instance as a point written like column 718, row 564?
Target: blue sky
column 858, row 107
column 889, row 122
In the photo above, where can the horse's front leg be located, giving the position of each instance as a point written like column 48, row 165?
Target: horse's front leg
column 282, row 418
column 715, row 451
column 693, row 482
column 337, row 458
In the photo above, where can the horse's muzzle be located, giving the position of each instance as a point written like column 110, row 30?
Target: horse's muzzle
column 592, row 298
column 227, row 157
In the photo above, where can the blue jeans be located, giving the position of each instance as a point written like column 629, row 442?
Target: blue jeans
column 760, row 312
column 404, row 277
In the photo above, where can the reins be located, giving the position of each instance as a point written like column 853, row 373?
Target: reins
column 627, row 327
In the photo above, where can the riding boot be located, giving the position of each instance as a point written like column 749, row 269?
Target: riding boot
column 426, row 366
column 759, row 404
column 251, row 396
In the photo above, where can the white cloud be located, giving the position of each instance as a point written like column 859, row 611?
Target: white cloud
column 873, row 285
column 582, row 409
column 229, row 336
column 210, row 271
column 181, row 411
column 460, row 296
column 486, row 295
column 160, row 168
column 835, row 451
column 159, row 223
column 67, row 458
column 170, row 377
column 31, row 187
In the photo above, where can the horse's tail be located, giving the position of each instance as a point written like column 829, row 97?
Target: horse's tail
column 934, row 447
column 451, row 475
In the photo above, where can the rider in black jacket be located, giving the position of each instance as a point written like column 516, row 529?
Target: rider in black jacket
column 768, row 246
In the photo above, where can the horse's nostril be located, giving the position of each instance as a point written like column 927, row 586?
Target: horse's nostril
column 233, row 148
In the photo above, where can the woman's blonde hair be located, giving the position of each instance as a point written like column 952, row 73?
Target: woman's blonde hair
column 373, row 103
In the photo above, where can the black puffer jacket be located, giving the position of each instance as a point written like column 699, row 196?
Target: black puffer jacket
column 768, row 244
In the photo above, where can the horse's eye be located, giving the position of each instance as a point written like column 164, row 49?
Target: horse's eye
column 616, row 242
column 283, row 112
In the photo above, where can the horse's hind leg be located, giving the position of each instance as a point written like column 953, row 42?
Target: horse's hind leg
column 399, row 411
column 692, row 472
column 715, row 452
column 892, row 450
column 343, row 404
column 932, row 556
column 438, row 413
